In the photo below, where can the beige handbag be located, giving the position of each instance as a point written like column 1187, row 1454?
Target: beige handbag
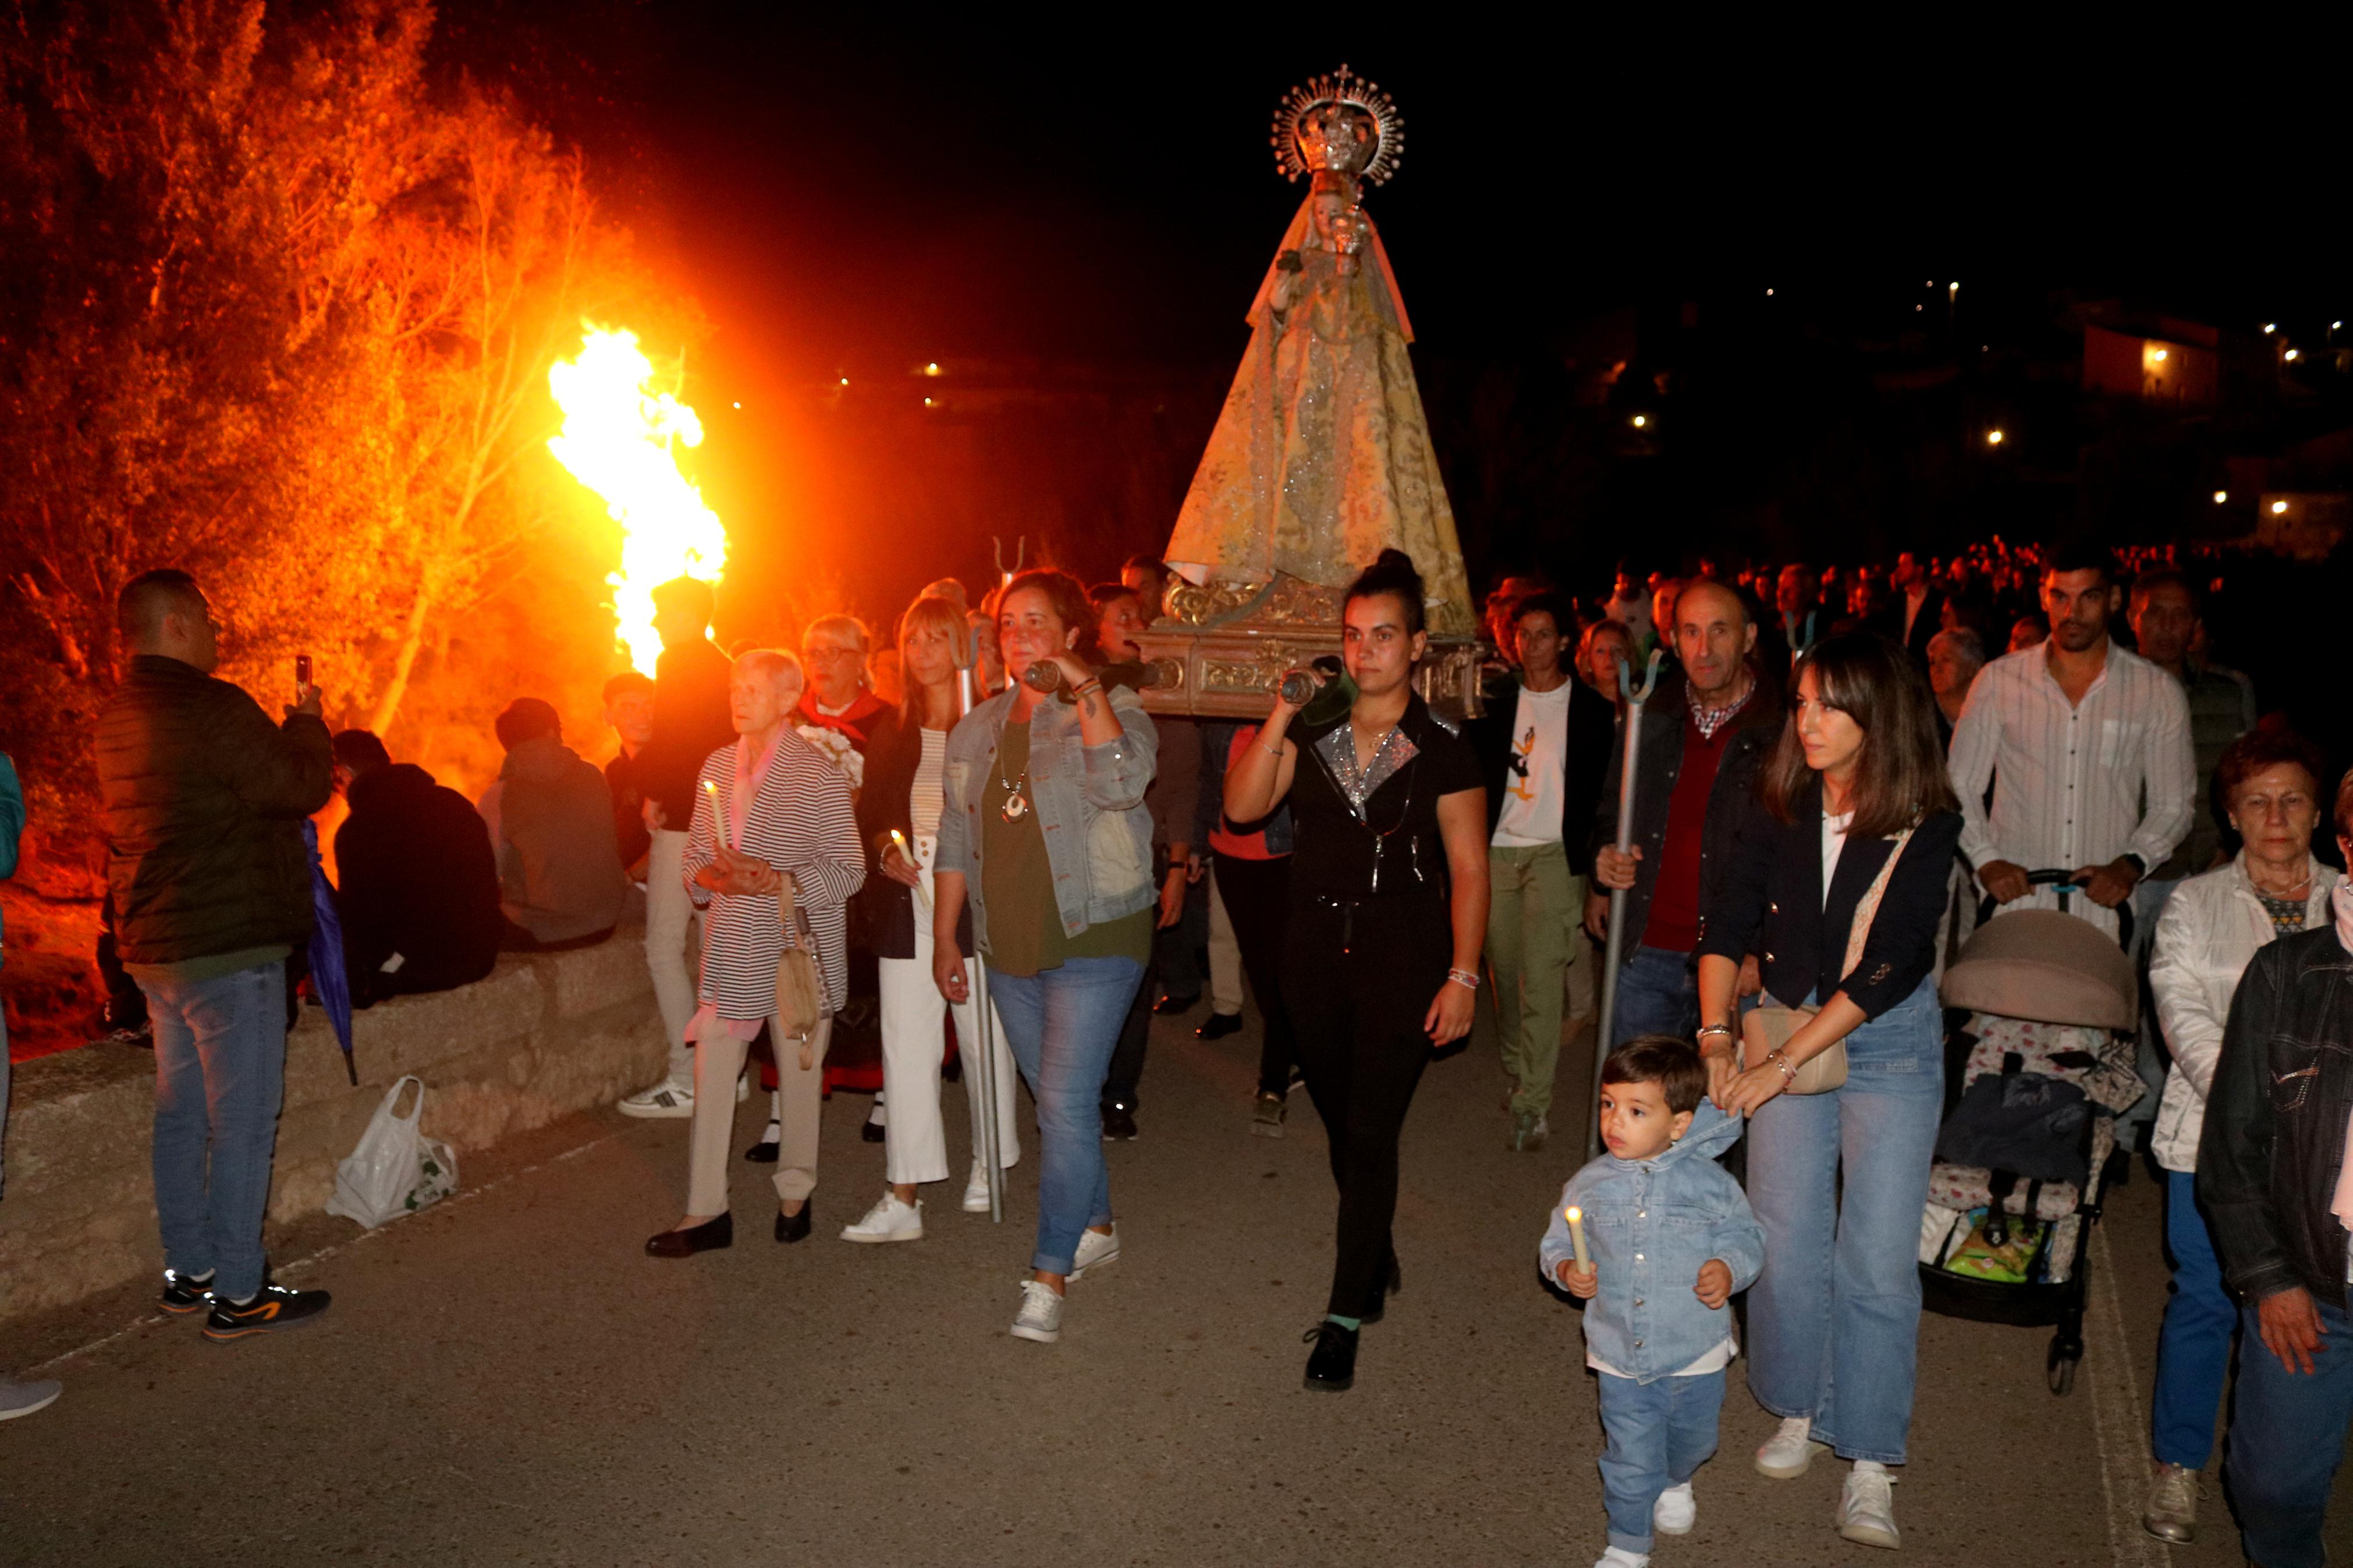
column 1764, row 1030
column 800, row 988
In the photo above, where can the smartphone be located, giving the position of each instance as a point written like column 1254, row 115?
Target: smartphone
column 301, row 674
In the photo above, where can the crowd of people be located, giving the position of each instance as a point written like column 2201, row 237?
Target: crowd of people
column 1838, row 774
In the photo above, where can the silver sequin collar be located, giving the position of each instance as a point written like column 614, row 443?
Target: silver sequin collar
column 1338, row 750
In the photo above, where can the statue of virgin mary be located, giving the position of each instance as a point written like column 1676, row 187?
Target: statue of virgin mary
column 1321, row 458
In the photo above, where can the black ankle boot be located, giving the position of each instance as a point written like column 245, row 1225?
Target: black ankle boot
column 1332, row 1364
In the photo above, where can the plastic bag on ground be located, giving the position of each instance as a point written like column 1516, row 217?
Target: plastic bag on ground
column 395, row 1170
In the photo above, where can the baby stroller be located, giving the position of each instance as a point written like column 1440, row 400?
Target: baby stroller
column 2029, row 1141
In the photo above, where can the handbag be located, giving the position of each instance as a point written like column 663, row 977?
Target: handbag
column 395, row 1169
column 1764, row 1030
column 800, row 989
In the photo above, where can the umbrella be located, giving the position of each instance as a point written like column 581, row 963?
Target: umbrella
column 329, row 981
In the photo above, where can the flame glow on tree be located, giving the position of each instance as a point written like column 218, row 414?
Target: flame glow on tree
column 618, row 438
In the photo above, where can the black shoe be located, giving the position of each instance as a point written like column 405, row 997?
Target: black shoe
column 1378, row 1307
column 709, row 1237
column 184, row 1293
column 1219, row 1025
column 870, row 1130
column 1169, row 1005
column 794, row 1228
column 272, row 1309
column 1119, row 1124
column 1332, row 1364
column 763, row 1153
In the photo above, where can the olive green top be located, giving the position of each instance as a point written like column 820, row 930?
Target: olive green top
column 1025, row 924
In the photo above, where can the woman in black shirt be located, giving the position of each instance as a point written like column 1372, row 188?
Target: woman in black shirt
column 1389, row 908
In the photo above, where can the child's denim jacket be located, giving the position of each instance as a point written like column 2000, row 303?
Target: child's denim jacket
column 1649, row 1225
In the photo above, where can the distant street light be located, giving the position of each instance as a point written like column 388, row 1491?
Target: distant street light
column 2278, row 506
column 1993, row 437
column 2221, row 496
column 2270, row 326
column 1641, row 420
column 932, row 369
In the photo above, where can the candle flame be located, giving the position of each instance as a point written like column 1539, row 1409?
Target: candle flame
column 619, row 439
column 1573, row 1214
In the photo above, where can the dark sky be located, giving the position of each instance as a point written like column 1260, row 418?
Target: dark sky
column 849, row 196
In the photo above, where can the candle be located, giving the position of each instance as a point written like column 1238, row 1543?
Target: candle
column 900, row 839
column 718, row 813
column 1577, row 1238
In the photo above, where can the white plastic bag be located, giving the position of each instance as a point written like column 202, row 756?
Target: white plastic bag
column 395, row 1170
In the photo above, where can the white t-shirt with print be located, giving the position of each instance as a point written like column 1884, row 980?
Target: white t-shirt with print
column 1533, row 790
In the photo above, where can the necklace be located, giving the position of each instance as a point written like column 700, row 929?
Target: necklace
column 1017, row 804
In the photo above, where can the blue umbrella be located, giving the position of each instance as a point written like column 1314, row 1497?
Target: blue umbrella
column 329, row 981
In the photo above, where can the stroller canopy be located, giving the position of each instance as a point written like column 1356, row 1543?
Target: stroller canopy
column 2045, row 965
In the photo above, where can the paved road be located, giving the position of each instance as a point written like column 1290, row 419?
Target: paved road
column 507, row 1379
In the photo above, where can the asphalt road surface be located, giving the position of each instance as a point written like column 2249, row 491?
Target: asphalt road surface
column 508, row 1379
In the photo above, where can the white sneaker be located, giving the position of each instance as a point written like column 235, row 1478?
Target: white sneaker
column 1040, row 1317
column 1675, row 1511
column 1866, row 1510
column 888, row 1220
column 1790, row 1451
column 976, row 1190
column 1094, row 1252
column 1619, row 1557
column 743, row 1087
column 664, row 1100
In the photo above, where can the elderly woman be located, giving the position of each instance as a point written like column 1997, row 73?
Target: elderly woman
column 788, row 824
column 1044, row 833
column 2275, row 1181
column 1954, row 656
column 2213, row 926
column 1839, row 883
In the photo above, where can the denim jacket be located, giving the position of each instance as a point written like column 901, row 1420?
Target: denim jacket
column 1649, row 1225
column 1089, row 801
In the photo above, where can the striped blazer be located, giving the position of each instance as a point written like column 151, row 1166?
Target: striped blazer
column 801, row 823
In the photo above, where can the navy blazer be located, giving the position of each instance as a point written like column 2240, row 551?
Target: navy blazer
column 1770, row 902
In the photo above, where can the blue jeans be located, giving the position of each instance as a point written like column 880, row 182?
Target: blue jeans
column 2193, row 1348
column 2287, row 1436
column 220, row 1075
column 1656, row 995
column 1660, row 1433
column 1061, row 1025
column 1834, row 1320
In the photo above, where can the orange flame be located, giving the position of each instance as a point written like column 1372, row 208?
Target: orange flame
column 617, row 439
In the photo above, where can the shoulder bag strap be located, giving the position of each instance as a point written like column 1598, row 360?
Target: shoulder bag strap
column 1867, row 912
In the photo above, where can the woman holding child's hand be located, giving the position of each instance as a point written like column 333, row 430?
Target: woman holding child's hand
column 1857, row 840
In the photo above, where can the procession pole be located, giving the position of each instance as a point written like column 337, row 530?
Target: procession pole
column 1634, row 698
column 982, row 1065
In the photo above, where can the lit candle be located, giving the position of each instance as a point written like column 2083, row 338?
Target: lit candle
column 718, row 813
column 1576, row 1239
column 900, row 839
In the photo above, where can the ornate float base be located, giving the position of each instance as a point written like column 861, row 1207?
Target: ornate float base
column 1220, row 650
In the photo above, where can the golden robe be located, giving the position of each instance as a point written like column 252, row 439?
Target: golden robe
column 1321, row 458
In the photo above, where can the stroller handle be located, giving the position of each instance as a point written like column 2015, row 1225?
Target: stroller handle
column 2061, row 876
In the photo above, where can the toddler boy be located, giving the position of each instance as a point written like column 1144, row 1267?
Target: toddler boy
column 1670, row 1237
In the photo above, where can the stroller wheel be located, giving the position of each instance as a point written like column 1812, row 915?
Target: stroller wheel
column 2059, row 1367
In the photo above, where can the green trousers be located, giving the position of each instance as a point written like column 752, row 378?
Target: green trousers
column 1539, row 957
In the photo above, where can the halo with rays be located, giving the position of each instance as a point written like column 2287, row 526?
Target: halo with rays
column 1342, row 86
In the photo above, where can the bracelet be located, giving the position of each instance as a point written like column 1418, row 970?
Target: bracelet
column 1707, row 1029
column 1467, row 979
column 1085, row 688
column 1789, row 1068
column 1275, row 751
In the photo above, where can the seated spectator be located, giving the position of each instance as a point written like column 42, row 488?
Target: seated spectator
column 551, row 821
column 630, row 710
column 420, row 886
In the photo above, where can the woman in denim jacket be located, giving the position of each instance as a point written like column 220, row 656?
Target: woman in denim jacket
column 1044, row 831
column 1669, row 1238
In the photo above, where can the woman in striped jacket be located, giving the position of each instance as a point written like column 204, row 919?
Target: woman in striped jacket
column 787, row 815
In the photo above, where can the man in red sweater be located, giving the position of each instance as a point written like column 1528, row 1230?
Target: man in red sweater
column 1704, row 736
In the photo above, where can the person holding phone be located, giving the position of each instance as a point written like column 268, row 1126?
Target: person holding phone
column 1388, row 910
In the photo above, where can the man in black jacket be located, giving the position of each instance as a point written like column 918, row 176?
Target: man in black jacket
column 1542, row 747
column 691, row 722
column 2277, row 1191
column 1703, row 738
column 204, row 801
column 419, row 888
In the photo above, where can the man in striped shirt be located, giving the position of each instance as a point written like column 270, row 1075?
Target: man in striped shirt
column 2086, row 746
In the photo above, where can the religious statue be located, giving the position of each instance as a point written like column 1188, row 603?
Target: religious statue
column 1321, row 457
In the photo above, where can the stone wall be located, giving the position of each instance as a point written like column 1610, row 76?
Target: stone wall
column 544, row 1037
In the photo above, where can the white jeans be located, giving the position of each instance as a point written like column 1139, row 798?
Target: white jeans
column 914, row 1138
column 669, row 929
